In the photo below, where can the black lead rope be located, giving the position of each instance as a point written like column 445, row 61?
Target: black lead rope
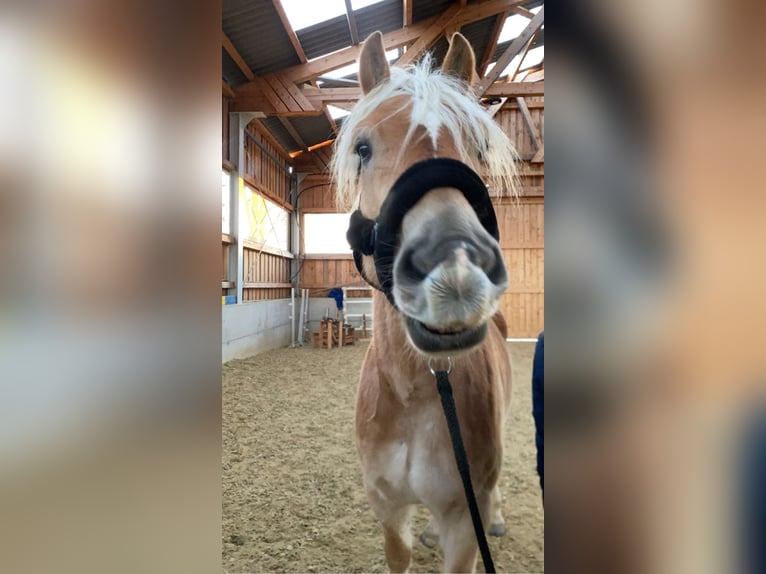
column 450, row 413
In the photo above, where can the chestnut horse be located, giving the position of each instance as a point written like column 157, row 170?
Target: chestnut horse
column 447, row 275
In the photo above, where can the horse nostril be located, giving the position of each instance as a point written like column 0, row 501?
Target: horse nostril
column 495, row 269
column 413, row 265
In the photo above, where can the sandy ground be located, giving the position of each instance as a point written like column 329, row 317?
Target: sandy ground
column 292, row 487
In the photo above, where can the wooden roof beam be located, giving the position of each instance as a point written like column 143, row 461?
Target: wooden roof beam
column 321, row 96
column 492, row 44
column 293, row 133
column 430, row 36
column 524, row 12
column 512, row 75
column 394, row 39
column 290, row 32
column 516, row 46
column 406, row 13
column 227, row 91
column 239, row 60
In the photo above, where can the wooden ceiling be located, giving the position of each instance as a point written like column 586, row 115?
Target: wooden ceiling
column 295, row 91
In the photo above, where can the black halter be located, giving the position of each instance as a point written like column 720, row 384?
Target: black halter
column 380, row 237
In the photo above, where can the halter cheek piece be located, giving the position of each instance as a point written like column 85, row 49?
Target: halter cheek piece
column 380, row 237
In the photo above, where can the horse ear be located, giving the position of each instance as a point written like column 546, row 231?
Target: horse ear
column 460, row 61
column 373, row 66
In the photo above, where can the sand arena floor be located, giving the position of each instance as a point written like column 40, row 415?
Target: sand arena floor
column 292, row 487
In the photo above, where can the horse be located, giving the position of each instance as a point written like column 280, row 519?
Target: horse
column 439, row 274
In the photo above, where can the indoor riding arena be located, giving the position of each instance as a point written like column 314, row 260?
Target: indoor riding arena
column 297, row 314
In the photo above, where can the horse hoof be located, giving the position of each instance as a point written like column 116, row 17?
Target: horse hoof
column 497, row 530
column 429, row 540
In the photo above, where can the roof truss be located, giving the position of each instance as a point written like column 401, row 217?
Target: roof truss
column 294, row 91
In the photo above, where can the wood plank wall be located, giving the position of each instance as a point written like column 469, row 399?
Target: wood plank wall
column 266, row 271
column 521, row 223
column 522, row 236
column 522, row 226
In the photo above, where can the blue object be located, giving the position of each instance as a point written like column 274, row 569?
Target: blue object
column 337, row 294
column 538, row 399
column 753, row 492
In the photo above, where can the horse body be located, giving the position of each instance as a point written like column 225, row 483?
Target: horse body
column 404, row 445
column 448, row 277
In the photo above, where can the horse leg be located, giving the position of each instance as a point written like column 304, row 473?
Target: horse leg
column 497, row 524
column 457, row 537
column 458, row 542
column 430, row 536
column 398, row 539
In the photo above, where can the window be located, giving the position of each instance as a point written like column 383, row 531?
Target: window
column 265, row 221
column 325, row 233
column 225, row 202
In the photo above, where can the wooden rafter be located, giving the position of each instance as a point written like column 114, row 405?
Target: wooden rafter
column 281, row 93
column 515, row 47
column 239, row 60
column 534, row 75
column 492, row 44
column 394, row 39
column 293, row 132
column 289, row 83
column 530, row 123
column 429, row 37
column 319, row 96
column 352, row 23
column 524, row 12
column 524, row 52
column 317, row 67
column 289, row 29
column 227, row 91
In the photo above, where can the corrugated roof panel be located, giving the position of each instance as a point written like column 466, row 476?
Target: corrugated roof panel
column 281, row 134
column 325, row 37
column 385, row 17
column 230, row 70
column 478, row 34
column 256, row 31
column 439, row 51
column 313, row 129
column 424, row 9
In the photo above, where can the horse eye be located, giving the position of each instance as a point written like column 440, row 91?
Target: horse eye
column 363, row 150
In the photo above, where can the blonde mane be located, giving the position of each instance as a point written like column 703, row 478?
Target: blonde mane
column 439, row 102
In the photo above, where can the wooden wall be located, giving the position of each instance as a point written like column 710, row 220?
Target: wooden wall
column 522, row 222
column 522, row 235
column 267, row 272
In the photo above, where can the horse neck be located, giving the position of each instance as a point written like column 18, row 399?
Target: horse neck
column 398, row 363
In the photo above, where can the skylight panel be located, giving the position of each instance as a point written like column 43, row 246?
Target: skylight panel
column 302, row 14
column 534, row 57
column 357, row 4
column 513, row 26
column 391, row 55
column 336, row 113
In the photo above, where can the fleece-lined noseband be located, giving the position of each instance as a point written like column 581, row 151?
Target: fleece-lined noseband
column 380, row 237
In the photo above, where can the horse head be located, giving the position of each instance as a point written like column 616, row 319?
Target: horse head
column 418, row 138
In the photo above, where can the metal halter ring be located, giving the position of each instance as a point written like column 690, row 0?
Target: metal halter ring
column 431, row 365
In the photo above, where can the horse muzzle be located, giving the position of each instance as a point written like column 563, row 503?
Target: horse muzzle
column 447, row 275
